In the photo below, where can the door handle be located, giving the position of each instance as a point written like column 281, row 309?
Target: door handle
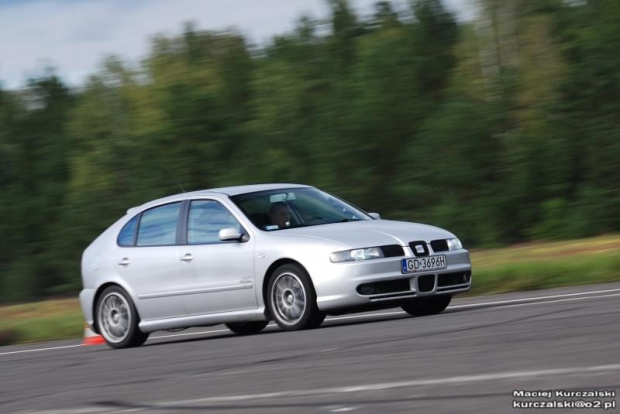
column 187, row 258
column 125, row 262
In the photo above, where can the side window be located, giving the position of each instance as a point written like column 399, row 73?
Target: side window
column 127, row 236
column 158, row 226
column 206, row 219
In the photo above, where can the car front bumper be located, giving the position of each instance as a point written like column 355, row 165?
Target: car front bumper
column 368, row 283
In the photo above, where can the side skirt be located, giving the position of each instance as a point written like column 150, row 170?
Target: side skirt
column 153, row 325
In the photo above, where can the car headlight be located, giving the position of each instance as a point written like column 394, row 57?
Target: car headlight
column 356, row 255
column 454, row 244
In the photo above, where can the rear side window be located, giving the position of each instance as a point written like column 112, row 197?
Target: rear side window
column 158, row 226
column 127, row 236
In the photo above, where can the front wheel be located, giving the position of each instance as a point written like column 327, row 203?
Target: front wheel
column 427, row 306
column 117, row 319
column 247, row 328
column 291, row 299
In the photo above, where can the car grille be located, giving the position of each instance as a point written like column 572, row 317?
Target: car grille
column 401, row 288
column 426, row 283
column 440, row 245
column 392, row 250
column 419, row 248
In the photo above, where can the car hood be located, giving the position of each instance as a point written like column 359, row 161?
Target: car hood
column 368, row 233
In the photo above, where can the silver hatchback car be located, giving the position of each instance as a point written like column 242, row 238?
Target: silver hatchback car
column 249, row 254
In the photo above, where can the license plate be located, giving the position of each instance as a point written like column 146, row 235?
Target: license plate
column 424, row 264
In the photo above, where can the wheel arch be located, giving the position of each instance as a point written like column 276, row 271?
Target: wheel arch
column 98, row 293
column 269, row 272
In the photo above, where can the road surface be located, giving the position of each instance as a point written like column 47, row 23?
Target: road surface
column 472, row 358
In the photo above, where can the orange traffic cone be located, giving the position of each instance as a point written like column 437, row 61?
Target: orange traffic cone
column 90, row 337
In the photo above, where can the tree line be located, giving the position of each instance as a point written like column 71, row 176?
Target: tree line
column 504, row 129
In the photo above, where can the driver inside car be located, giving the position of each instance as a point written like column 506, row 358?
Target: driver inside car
column 280, row 214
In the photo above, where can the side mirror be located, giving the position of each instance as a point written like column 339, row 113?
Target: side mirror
column 375, row 216
column 231, row 234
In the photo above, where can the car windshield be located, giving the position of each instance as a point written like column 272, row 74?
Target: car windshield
column 296, row 207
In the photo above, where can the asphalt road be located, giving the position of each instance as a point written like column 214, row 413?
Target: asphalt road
column 469, row 359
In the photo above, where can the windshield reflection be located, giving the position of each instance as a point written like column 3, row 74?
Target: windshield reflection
column 282, row 209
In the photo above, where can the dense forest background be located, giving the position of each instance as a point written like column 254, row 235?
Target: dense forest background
column 505, row 129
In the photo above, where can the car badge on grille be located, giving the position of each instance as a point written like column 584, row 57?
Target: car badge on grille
column 419, row 248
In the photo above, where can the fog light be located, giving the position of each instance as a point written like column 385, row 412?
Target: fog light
column 367, row 289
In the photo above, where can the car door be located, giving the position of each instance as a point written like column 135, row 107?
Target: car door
column 220, row 274
column 148, row 260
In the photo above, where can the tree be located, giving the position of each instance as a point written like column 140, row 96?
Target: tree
column 36, row 145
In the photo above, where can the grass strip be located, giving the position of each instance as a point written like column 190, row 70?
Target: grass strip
column 545, row 274
column 41, row 321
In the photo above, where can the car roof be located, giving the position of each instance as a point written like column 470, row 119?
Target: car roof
column 229, row 191
column 253, row 188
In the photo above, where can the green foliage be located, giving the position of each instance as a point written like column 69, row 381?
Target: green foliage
column 503, row 131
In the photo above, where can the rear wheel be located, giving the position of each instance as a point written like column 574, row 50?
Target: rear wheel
column 291, row 299
column 247, row 328
column 117, row 319
column 427, row 306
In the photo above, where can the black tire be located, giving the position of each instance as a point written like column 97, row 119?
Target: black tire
column 247, row 328
column 117, row 319
column 291, row 299
column 427, row 306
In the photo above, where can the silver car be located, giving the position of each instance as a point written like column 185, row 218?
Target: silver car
column 249, row 254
